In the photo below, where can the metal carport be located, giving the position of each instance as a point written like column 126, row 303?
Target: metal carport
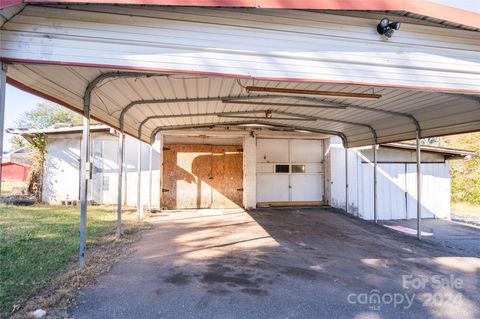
column 423, row 83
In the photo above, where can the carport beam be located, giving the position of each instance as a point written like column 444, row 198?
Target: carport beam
column 121, row 146
column 375, row 168
column 139, row 181
column 419, row 187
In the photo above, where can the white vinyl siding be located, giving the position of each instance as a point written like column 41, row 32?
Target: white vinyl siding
column 397, row 183
column 397, row 191
column 259, row 43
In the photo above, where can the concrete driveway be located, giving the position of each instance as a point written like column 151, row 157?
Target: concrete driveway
column 461, row 237
column 283, row 263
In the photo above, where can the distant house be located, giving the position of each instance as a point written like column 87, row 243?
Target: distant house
column 20, row 156
column 296, row 169
column 16, row 165
column 14, row 172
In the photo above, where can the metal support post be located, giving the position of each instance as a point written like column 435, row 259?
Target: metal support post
column 150, row 177
column 85, row 176
column 346, row 179
column 419, row 188
column 139, row 181
column 121, row 145
column 375, row 169
column 3, row 89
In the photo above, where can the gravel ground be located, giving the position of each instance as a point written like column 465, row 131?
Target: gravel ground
column 283, row 263
column 475, row 221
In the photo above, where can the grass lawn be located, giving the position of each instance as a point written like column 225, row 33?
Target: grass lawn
column 466, row 210
column 37, row 242
column 7, row 187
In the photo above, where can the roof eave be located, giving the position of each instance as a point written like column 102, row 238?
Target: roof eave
column 447, row 152
column 420, row 7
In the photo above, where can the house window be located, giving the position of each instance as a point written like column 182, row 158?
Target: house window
column 282, row 168
column 298, row 168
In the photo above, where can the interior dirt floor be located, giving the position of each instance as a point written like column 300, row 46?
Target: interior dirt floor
column 283, row 263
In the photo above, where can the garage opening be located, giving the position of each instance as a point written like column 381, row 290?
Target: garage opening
column 202, row 176
column 290, row 172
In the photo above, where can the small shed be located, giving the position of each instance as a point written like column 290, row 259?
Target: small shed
column 250, row 168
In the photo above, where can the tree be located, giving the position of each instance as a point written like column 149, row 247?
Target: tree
column 433, row 141
column 44, row 115
column 35, row 177
column 465, row 173
column 17, row 142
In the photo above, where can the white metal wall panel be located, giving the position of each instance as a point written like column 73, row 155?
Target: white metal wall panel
column 61, row 175
column 393, row 155
column 336, row 182
column 62, row 164
column 391, row 191
column 249, row 172
column 258, row 43
column 435, row 190
column 365, row 208
column 397, row 191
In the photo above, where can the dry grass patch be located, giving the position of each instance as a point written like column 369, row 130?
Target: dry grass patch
column 39, row 250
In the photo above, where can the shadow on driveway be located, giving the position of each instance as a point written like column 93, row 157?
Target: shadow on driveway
column 283, row 263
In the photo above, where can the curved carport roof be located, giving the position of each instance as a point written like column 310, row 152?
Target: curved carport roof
column 180, row 68
column 154, row 101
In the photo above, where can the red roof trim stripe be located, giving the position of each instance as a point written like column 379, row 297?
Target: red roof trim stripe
column 9, row 3
column 422, row 7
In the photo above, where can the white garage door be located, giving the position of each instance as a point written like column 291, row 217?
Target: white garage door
column 290, row 170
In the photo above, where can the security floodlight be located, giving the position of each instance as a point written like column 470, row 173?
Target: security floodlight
column 386, row 28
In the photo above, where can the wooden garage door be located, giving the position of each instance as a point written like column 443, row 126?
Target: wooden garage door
column 202, row 176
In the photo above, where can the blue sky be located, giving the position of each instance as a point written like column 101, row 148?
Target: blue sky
column 17, row 101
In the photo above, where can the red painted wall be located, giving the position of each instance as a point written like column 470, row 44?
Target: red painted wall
column 14, row 172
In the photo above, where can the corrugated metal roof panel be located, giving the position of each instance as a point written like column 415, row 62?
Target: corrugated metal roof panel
column 437, row 112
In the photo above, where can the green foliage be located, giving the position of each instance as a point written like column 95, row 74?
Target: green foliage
column 39, row 241
column 17, row 142
column 47, row 114
column 430, row 141
column 37, row 158
column 465, row 173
